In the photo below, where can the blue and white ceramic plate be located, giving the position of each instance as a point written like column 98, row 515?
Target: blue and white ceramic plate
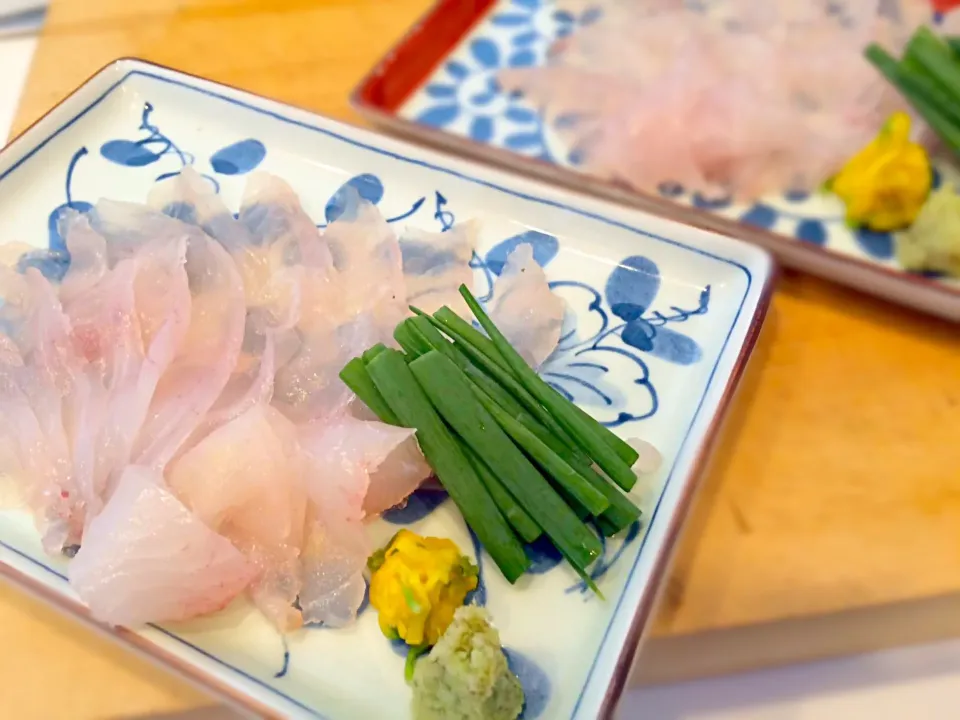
column 662, row 320
column 439, row 85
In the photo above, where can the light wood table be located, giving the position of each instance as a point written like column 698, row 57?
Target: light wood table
column 830, row 522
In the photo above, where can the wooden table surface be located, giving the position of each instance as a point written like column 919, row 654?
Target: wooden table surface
column 829, row 523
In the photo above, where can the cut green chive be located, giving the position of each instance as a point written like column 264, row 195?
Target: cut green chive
column 371, row 353
column 396, row 383
column 526, row 528
column 571, row 481
column 356, row 377
column 582, row 431
column 446, row 387
column 411, row 342
column 469, row 334
column 502, row 375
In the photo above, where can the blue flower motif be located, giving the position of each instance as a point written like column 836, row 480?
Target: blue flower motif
column 467, row 94
column 588, row 354
column 535, row 29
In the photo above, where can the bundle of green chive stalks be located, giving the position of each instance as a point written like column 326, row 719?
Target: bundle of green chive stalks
column 928, row 77
column 518, row 459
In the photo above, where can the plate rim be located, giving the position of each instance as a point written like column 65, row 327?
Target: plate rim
column 899, row 286
column 100, row 84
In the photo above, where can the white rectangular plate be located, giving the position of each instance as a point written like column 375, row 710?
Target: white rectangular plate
column 693, row 300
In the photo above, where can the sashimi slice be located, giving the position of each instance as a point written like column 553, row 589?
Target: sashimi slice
column 127, row 327
column 270, row 281
column 527, row 312
column 334, row 557
column 245, row 481
column 88, row 255
column 359, row 307
column 435, row 265
column 110, row 410
column 368, row 261
column 147, row 558
column 208, row 354
column 39, row 378
column 340, row 458
column 342, row 455
column 401, row 472
column 272, row 293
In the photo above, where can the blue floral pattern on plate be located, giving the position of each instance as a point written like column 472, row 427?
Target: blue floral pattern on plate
column 462, row 97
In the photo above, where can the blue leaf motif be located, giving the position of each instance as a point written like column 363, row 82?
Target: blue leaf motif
column 585, row 319
column 509, row 20
column 760, row 215
column 438, row 90
column 439, row 116
column 544, row 249
column 634, row 284
column 936, row 179
column 481, row 129
column 701, row 201
column 522, row 58
column 129, row 153
column 523, row 141
column 366, row 186
column 533, row 680
column 670, row 189
column 239, row 158
column 527, row 4
column 485, row 52
column 527, row 38
column 520, row 115
column 581, row 374
column 183, row 211
column 639, row 334
column 877, row 245
column 457, row 69
column 418, row 506
column 52, row 265
column 674, row 347
column 812, row 231
column 544, row 557
column 56, row 242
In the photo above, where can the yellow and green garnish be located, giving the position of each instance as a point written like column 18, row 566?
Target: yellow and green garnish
column 517, row 458
column 416, row 585
column 885, row 184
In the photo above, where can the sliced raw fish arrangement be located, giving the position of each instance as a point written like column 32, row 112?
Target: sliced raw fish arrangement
column 525, row 309
column 172, row 411
column 740, row 97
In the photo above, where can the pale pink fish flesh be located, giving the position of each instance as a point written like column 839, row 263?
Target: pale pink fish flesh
column 357, row 305
column 333, row 561
column 147, row 558
column 739, row 97
column 127, row 328
column 245, row 481
column 88, row 255
column 341, row 456
column 190, row 198
column 524, row 308
column 40, row 379
column 401, row 472
column 435, row 265
column 271, row 283
column 209, row 352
